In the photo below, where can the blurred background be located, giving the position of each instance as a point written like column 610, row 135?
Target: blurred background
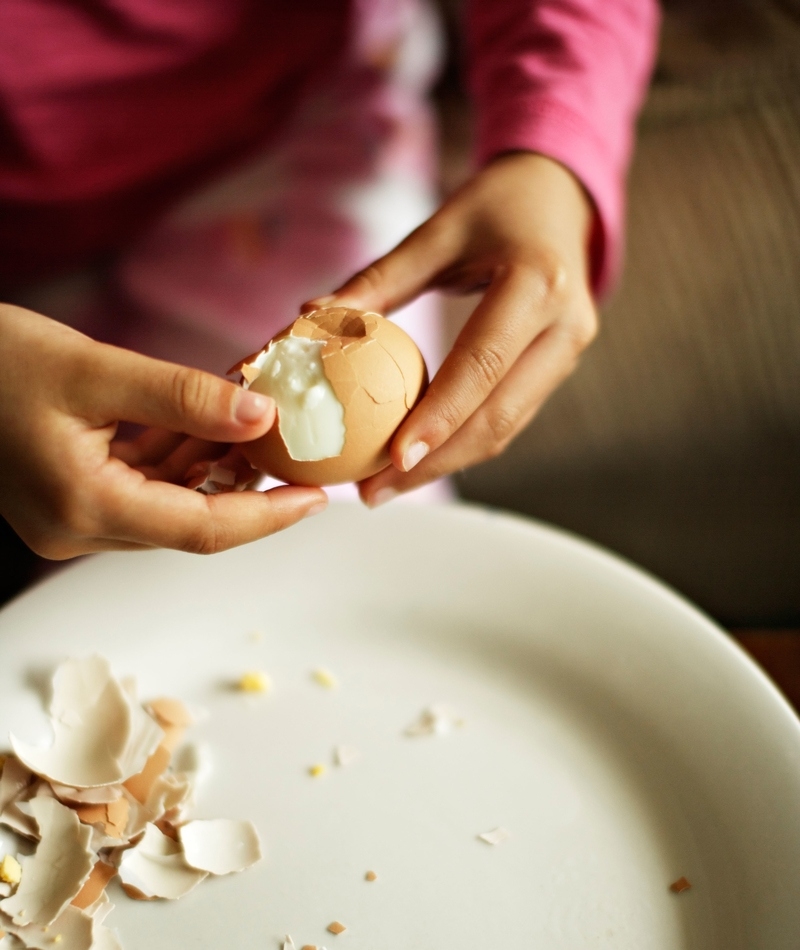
column 677, row 442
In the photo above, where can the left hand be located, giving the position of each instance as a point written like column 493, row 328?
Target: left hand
column 519, row 231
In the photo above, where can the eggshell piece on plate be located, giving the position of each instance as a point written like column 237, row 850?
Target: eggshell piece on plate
column 495, row 836
column 91, row 723
column 344, row 755
column 73, row 929
column 376, row 374
column 101, row 795
column 155, row 868
column 94, row 886
column 111, row 816
column 436, row 720
column 57, row 871
column 221, row 845
column 146, row 735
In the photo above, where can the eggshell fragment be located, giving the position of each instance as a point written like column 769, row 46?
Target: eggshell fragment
column 105, row 939
column 344, row 755
column 173, row 717
column 377, row 374
column 100, row 795
column 679, row 886
column 71, row 930
column 57, row 871
column 495, row 836
column 14, row 779
column 100, row 736
column 435, row 720
column 155, row 868
column 17, row 785
column 195, row 761
column 94, row 886
column 146, row 735
column 214, row 478
column 221, row 845
column 111, row 816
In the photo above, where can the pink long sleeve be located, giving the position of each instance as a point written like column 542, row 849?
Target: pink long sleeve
column 565, row 78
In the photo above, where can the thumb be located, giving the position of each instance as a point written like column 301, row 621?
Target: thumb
column 399, row 276
column 120, row 385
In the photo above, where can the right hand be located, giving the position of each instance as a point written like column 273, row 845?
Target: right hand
column 68, row 487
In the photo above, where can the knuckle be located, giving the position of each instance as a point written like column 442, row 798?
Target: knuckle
column 495, row 450
column 551, row 278
column 207, row 537
column 369, row 280
column 201, row 540
column 189, row 391
column 582, row 330
column 500, row 424
column 486, row 364
column 448, row 419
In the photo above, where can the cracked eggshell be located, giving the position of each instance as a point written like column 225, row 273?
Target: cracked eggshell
column 57, row 871
column 378, row 375
column 94, row 887
column 71, row 930
column 101, row 734
column 221, row 845
column 14, row 780
column 156, row 867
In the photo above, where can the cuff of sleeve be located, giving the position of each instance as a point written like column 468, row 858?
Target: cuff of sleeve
column 554, row 130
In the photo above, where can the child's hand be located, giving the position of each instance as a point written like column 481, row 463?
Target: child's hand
column 68, row 488
column 519, row 231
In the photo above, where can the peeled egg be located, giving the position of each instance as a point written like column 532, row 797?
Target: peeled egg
column 343, row 380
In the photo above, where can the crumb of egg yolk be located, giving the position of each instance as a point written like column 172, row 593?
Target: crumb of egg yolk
column 324, row 678
column 10, row 870
column 315, row 771
column 255, row 681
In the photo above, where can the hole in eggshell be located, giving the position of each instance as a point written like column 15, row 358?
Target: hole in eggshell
column 355, row 328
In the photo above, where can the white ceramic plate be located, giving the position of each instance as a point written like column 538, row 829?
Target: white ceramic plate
column 615, row 732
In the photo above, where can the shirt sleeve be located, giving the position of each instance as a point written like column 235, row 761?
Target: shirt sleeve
column 565, row 78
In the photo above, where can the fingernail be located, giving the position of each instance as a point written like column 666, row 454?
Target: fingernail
column 316, row 509
column 381, row 496
column 415, row 453
column 251, row 407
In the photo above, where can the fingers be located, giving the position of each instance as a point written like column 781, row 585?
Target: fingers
column 174, row 467
column 511, row 407
column 402, row 274
column 114, row 384
column 150, row 448
column 163, row 515
column 519, row 304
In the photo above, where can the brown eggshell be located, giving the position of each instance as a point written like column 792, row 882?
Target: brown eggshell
column 377, row 373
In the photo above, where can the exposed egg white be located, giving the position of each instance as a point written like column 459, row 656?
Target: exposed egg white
column 310, row 417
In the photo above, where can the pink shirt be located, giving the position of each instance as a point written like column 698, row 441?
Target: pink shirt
column 566, row 78
column 110, row 110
